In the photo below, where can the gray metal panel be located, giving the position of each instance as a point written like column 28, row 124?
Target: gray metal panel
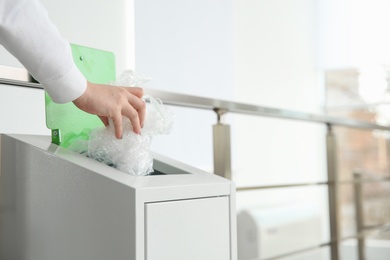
column 53, row 209
column 222, row 150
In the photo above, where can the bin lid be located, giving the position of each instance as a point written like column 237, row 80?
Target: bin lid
column 67, row 122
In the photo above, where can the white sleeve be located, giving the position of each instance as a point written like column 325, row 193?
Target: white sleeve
column 27, row 33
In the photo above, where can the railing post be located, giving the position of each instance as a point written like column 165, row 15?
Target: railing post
column 333, row 195
column 358, row 185
column 387, row 138
column 221, row 147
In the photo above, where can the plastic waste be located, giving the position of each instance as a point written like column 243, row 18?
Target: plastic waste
column 132, row 153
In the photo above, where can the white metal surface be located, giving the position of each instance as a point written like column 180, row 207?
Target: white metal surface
column 185, row 230
column 22, row 110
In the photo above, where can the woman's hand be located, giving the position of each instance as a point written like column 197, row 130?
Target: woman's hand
column 113, row 102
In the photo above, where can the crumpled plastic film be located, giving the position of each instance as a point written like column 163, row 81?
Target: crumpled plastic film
column 130, row 79
column 131, row 154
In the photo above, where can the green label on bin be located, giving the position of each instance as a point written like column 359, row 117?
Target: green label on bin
column 56, row 136
column 69, row 122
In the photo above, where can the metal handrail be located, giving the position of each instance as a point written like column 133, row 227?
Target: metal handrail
column 294, row 185
column 224, row 106
column 20, row 77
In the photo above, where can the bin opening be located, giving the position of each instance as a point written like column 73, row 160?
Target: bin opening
column 161, row 168
column 156, row 172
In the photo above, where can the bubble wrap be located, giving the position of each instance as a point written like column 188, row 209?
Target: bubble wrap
column 131, row 154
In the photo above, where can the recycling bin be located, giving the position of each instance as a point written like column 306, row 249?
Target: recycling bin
column 57, row 204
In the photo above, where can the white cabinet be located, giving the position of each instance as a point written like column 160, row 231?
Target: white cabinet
column 188, row 229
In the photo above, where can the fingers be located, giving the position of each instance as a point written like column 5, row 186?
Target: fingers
column 113, row 102
column 130, row 105
column 118, row 125
column 139, row 105
column 130, row 112
column 139, row 92
column 141, row 114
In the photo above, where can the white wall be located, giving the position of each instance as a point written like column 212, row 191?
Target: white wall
column 94, row 23
column 276, row 64
column 186, row 47
column 100, row 24
column 353, row 33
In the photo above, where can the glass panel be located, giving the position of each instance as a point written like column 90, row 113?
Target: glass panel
column 376, row 203
column 374, row 248
column 376, row 208
column 348, row 250
column 269, row 151
column 347, row 210
column 361, row 150
column 190, row 140
column 377, row 244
